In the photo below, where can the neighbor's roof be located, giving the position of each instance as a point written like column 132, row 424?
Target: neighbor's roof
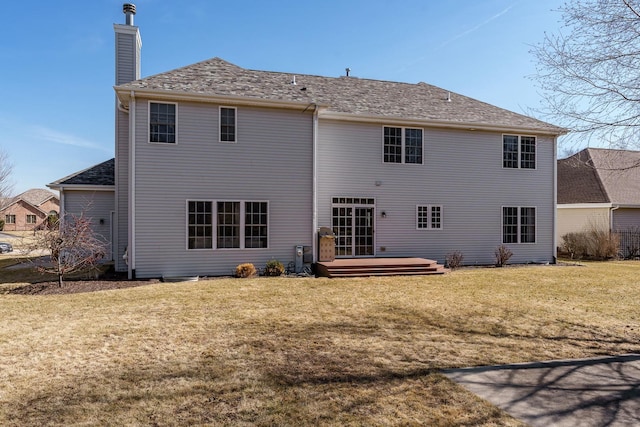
column 597, row 175
column 35, row 197
column 102, row 174
column 350, row 96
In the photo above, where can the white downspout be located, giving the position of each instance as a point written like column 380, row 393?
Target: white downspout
column 131, row 249
column 314, row 142
column 554, row 249
column 613, row 208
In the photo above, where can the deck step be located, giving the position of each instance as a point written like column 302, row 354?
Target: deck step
column 363, row 267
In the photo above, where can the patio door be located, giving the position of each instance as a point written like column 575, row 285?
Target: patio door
column 353, row 226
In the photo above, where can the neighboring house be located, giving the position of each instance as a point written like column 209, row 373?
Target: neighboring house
column 91, row 192
column 28, row 210
column 599, row 187
column 216, row 165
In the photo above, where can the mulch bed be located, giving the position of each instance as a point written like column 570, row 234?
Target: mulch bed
column 77, row 286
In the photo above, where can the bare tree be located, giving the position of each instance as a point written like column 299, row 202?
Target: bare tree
column 589, row 72
column 6, row 169
column 73, row 247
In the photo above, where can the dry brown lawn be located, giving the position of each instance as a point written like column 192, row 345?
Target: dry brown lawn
column 285, row 351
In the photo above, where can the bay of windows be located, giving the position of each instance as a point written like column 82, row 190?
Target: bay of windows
column 236, row 224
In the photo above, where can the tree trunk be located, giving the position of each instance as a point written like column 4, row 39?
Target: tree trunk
column 59, row 280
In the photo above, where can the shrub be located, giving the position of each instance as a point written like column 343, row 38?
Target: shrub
column 274, row 268
column 593, row 243
column 245, row 270
column 503, row 254
column 453, row 260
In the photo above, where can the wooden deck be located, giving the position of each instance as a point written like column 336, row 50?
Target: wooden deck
column 360, row 267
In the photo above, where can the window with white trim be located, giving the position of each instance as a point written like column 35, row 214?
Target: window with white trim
column 162, row 122
column 518, row 224
column 230, row 224
column 31, row 219
column 429, row 217
column 10, row 219
column 402, row 145
column 200, row 225
column 518, row 152
column 227, row 124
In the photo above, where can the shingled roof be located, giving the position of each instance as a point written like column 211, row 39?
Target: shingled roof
column 35, row 197
column 350, row 96
column 100, row 174
column 596, row 175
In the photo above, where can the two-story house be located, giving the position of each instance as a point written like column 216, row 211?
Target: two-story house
column 217, row 165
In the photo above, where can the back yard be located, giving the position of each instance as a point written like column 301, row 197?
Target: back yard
column 285, row 351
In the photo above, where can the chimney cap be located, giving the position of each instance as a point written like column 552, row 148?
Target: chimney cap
column 129, row 8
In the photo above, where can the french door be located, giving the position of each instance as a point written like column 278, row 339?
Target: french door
column 353, row 226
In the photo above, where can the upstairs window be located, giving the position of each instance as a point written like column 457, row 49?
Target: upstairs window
column 402, row 145
column 227, row 124
column 162, row 123
column 518, row 152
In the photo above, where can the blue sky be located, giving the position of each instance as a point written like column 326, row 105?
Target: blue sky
column 58, row 58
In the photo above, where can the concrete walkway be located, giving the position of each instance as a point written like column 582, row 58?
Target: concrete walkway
column 588, row 392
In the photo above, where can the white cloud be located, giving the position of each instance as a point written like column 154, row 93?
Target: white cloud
column 51, row 135
column 477, row 27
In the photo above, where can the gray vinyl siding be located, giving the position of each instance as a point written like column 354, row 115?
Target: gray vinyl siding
column 96, row 206
column 127, row 55
column 271, row 161
column 462, row 172
column 626, row 218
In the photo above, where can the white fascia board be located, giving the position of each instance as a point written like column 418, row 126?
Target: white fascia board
column 80, row 187
column 329, row 115
column 175, row 96
column 585, row 206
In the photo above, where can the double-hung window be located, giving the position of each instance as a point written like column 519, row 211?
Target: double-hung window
column 31, row 219
column 402, row 145
column 429, row 217
column 10, row 219
column 162, row 122
column 227, row 124
column 200, row 225
column 518, row 152
column 227, row 224
column 242, row 225
column 518, row 224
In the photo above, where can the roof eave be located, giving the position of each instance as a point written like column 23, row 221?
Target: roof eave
column 81, row 187
column 124, row 96
column 442, row 124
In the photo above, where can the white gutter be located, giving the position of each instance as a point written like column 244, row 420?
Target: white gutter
column 314, row 142
column 176, row 95
column 80, row 187
column 441, row 124
column 131, row 248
